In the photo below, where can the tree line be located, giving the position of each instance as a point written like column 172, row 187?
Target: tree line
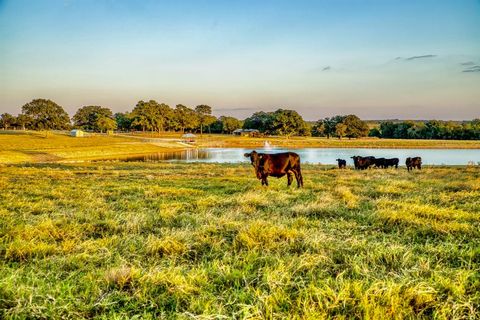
column 44, row 114
column 432, row 129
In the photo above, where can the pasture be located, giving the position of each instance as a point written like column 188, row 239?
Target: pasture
column 162, row 240
column 31, row 146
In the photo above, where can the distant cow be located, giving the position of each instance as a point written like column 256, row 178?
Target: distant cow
column 276, row 165
column 412, row 163
column 393, row 162
column 380, row 162
column 342, row 164
column 363, row 163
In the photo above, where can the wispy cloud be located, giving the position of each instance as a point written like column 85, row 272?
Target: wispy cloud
column 468, row 63
column 326, row 68
column 474, row 68
column 425, row 56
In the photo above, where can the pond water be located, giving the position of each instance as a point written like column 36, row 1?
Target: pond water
column 317, row 155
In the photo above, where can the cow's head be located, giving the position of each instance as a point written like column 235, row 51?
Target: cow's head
column 255, row 159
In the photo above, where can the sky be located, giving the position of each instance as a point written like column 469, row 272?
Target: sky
column 378, row 59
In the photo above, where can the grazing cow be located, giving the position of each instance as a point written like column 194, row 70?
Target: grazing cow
column 276, row 165
column 342, row 164
column 363, row 163
column 412, row 163
column 355, row 162
column 380, row 162
column 393, row 162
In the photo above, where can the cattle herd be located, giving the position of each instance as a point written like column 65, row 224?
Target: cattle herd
column 288, row 163
column 362, row 163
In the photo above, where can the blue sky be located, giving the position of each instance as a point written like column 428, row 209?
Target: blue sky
column 377, row 59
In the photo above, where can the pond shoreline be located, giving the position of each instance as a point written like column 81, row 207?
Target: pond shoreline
column 324, row 156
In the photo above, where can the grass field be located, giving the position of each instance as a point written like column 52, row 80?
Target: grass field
column 18, row 146
column 218, row 140
column 119, row 240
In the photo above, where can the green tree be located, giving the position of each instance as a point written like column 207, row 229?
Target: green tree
column 288, row 122
column 330, row 125
column 46, row 115
column 229, row 124
column 204, row 116
column 88, row 117
column 6, row 120
column 262, row 121
column 105, row 123
column 355, row 127
column 151, row 115
column 318, row 130
column 124, row 120
column 185, row 118
column 210, row 121
column 387, row 128
column 341, row 130
column 375, row 132
column 217, row 126
column 23, row 121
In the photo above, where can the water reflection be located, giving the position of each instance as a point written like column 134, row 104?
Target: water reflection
column 184, row 155
column 315, row 155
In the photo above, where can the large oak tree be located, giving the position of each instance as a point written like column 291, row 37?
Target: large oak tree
column 46, row 115
column 89, row 118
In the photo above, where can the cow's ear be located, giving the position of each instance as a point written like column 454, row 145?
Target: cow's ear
column 247, row 155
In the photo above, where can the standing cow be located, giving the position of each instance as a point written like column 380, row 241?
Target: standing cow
column 380, row 162
column 393, row 162
column 363, row 163
column 342, row 164
column 276, row 165
column 412, row 163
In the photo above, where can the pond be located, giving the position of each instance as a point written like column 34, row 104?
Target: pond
column 317, row 155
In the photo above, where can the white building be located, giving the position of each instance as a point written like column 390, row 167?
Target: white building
column 76, row 133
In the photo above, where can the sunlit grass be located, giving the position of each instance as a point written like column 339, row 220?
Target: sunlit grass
column 115, row 240
column 31, row 146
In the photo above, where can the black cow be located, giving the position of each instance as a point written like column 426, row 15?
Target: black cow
column 412, row 163
column 342, row 164
column 276, row 165
column 362, row 163
column 393, row 162
column 380, row 162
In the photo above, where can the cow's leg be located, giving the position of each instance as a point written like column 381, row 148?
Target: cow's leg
column 289, row 178
column 298, row 177
column 266, row 181
column 419, row 167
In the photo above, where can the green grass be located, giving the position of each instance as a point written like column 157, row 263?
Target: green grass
column 118, row 240
column 31, row 146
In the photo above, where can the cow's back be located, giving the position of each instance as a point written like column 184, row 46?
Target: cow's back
column 278, row 164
